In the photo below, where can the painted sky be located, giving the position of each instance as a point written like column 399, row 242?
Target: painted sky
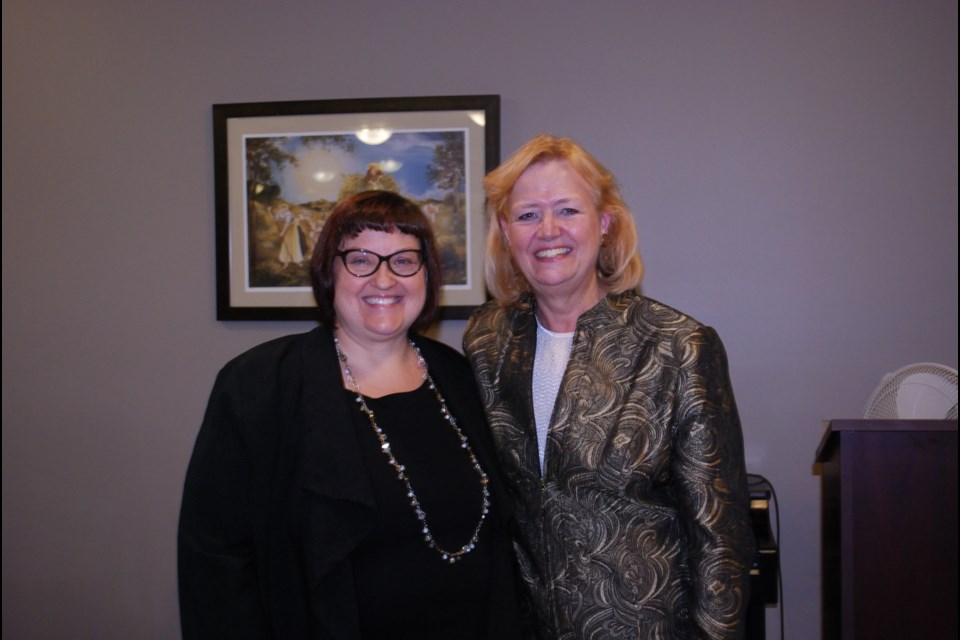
column 319, row 174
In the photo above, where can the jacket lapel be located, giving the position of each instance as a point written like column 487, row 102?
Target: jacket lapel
column 338, row 507
column 331, row 464
column 516, row 374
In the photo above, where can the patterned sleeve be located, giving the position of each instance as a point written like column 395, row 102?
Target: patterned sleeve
column 711, row 478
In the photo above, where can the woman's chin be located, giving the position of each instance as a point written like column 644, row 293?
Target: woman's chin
column 382, row 328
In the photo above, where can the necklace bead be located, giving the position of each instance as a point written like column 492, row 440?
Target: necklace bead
column 445, row 554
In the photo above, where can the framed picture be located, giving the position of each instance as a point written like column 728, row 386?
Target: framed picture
column 281, row 167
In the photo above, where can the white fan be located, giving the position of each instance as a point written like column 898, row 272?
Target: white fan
column 922, row 391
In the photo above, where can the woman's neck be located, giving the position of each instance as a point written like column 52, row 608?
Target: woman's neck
column 380, row 368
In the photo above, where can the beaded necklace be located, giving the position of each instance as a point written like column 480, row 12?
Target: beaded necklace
column 448, row 556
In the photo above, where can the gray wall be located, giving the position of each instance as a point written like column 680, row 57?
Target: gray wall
column 792, row 167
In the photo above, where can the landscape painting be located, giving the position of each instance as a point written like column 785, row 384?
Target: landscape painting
column 280, row 168
column 294, row 182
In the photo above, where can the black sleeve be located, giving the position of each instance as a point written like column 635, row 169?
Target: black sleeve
column 220, row 594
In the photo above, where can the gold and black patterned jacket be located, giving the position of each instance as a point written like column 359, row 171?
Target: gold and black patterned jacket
column 639, row 527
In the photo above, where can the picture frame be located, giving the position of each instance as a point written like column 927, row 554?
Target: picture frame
column 281, row 167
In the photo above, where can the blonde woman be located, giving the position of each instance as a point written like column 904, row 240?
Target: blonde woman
column 613, row 416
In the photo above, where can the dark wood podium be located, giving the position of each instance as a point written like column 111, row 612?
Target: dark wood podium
column 889, row 529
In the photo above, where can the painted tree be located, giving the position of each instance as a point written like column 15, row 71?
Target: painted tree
column 264, row 156
column 446, row 171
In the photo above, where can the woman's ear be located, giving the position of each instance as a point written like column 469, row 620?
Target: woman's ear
column 606, row 221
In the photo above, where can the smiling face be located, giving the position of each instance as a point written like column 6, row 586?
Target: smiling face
column 382, row 306
column 554, row 231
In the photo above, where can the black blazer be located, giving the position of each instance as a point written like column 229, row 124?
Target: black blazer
column 277, row 496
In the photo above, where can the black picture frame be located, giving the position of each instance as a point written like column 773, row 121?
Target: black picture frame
column 265, row 152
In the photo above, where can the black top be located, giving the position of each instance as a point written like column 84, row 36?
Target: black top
column 278, row 499
column 404, row 588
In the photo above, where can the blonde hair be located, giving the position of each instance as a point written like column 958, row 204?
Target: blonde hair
column 619, row 266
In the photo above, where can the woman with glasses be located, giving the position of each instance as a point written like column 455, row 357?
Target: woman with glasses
column 343, row 484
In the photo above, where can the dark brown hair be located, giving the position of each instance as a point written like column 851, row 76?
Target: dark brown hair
column 377, row 211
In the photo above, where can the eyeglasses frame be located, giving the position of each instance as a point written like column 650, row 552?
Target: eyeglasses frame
column 343, row 258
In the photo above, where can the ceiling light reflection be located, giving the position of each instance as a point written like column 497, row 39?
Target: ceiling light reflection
column 374, row 135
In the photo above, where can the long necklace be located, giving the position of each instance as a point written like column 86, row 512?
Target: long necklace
column 449, row 556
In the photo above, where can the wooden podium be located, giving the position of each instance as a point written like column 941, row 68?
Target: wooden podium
column 889, row 529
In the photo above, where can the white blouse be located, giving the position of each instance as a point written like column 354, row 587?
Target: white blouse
column 553, row 352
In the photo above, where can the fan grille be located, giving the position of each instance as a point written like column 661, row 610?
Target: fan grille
column 923, row 391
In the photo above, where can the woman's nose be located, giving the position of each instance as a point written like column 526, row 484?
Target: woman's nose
column 548, row 226
column 383, row 277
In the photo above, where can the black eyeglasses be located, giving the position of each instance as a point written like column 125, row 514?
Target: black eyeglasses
column 362, row 263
